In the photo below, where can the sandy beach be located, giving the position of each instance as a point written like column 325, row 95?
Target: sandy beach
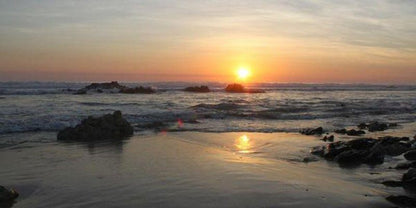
column 187, row 169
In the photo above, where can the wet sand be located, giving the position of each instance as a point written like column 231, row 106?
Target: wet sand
column 186, row 169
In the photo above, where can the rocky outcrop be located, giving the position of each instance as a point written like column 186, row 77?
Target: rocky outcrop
column 317, row 131
column 7, row 196
column 351, row 132
column 113, row 87
column 109, row 126
column 136, row 90
column 201, row 88
column 363, row 150
column 376, row 126
column 238, row 88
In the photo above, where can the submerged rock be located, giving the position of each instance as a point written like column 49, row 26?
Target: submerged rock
column 137, row 90
column 201, row 88
column 109, row 126
column 238, row 88
column 7, row 196
column 409, row 178
column 317, row 131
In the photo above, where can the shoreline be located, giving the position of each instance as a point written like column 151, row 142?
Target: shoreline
column 273, row 162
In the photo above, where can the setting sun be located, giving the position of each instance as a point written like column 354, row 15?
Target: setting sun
column 243, row 73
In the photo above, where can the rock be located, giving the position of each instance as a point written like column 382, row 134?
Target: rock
column 351, row 157
column 334, row 149
column 374, row 158
column 309, row 159
column 105, row 85
column 201, row 88
column 137, row 90
column 410, row 155
column 362, row 126
column 392, row 183
column 402, row 201
column 238, row 88
column 409, row 178
column 7, row 196
column 328, row 138
column 341, row 131
column 362, row 143
column 405, row 165
column 319, row 150
column 317, row 131
column 376, row 126
column 354, row 132
column 109, row 126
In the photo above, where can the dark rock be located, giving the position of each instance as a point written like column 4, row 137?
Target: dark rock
column 362, row 143
column 7, row 196
column 81, row 92
column 341, row 131
column 410, row 155
column 238, row 88
column 362, row 126
column 392, row 183
column 374, row 158
column 351, row 156
column 333, row 149
column 328, row 138
column 105, row 85
column 376, row 126
column 402, row 201
column 109, row 126
column 354, row 132
column 319, row 150
column 197, row 89
column 309, row 159
column 137, row 90
column 317, row 131
column 405, row 165
column 409, row 178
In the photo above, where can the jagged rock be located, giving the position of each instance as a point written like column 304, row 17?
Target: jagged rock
column 328, row 138
column 137, row 90
column 317, row 131
column 362, row 126
column 238, row 88
column 201, row 88
column 410, row 155
column 402, row 201
column 109, row 126
column 7, row 196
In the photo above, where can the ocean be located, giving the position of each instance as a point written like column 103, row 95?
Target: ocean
column 51, row 106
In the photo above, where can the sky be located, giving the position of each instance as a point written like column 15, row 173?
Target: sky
column 319, row 41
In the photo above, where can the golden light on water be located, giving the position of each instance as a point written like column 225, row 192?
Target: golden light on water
column 243, row 73
column 244, row 144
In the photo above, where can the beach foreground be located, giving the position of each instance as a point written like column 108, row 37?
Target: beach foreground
column 187, row 169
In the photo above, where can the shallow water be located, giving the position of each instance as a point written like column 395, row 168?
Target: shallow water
column 187, row 169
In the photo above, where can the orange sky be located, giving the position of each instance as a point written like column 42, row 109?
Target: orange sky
column 280, row 41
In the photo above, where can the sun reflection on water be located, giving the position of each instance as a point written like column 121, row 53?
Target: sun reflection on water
column 244, row 144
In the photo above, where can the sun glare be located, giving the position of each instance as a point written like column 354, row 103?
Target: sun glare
column 243, row 73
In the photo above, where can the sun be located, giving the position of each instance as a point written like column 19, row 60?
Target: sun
column 243, row 73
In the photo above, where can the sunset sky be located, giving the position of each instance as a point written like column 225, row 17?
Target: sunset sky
column 200, row 40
